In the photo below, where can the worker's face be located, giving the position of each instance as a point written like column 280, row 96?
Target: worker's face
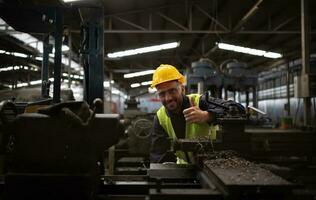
column 170, row 95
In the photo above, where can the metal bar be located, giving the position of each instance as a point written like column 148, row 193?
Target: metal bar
column 269, row 32
column 247, row 99
column 173, row 31
column 130, row 23
column 167, row 31
column 110, row 83
column 211, row 18
column 190, row 17
column 69, row 59
column 172, row 21
column 44, row 73
column 245, row 18
column 305, row 36
column 58, row 33
column 95, row 57
column 284, row 23
column 110, row 23
column 305, row 56
column 288, row 108
column 254, row 97
column 80, row 15
column 150, row 21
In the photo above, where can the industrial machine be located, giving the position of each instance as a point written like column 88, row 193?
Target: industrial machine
column 54, row 154
column 132, row 151
column 237, row 77
column 204, row 76
column 138, row 128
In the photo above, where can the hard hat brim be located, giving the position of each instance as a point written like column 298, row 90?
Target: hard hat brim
column 181, row 80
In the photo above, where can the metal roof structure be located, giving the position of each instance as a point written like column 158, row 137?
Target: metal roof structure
column 197, row 24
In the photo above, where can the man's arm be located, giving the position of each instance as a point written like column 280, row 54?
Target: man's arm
column 160, row 145
column 216, row 111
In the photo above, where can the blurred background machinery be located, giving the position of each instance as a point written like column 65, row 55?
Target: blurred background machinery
column 204, row 76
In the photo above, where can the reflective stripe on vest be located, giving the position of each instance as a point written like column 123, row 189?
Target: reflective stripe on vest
column 192, row 130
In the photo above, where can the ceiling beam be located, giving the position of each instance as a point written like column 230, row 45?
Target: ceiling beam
column 247, row 16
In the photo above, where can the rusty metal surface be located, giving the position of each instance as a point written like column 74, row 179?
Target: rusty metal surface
column 233, row 170
column 171, row 171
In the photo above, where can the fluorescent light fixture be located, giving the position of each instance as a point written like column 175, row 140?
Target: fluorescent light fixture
column 143, row 50
column 16, row 54
column 18, row 68
column 142, row 73
column 21, row 85
column 146, row 83
column 135, row 85
column 69, row 1
column 22, row 55
column 247, row 50
column 6, row 69
column 107, row 83
column 36, row 82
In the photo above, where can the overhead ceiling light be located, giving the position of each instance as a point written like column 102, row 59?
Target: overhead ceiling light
column 69, row 1
column 22, row 55
column 107, row 83
column 135, row 85
column 36, row 82
column 142, row 50
column 142, row 73
column 146, row 83
column 246, row 50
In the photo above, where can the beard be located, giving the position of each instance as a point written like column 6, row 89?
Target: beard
column 173, row 105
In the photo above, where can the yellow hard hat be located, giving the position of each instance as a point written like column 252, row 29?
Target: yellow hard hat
column 165, row 73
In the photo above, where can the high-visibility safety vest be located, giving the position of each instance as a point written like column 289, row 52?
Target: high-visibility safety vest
column 192, row 130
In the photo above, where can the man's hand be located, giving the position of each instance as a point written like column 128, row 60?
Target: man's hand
column 194, row 114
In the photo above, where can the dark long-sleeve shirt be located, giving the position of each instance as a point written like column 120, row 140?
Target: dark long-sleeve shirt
column 160, row 142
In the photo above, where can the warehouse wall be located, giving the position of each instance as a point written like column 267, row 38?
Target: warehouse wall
column 275, row 109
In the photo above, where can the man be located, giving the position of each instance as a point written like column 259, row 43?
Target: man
column 180, row 116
